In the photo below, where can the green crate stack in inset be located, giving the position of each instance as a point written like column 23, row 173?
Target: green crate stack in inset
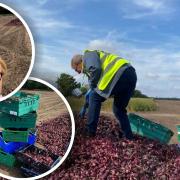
column 149, row 129
column 7, row 159
column 12, row 121
column 19, row 104
column 18, row 116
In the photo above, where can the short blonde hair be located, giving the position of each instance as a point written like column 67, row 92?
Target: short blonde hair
column 3, row 66
column 77, row 59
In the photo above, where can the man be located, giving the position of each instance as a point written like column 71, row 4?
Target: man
column 3, row 70
column 109, row 75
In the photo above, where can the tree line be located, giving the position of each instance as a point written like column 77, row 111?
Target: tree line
column 66, row 84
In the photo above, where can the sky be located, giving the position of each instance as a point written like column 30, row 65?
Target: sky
column 146, row 32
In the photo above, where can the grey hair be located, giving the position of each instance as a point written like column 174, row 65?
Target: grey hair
column 77, row 59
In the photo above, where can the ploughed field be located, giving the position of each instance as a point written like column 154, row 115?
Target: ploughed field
column 15, row 50
column 167, row 114
column 51, row 105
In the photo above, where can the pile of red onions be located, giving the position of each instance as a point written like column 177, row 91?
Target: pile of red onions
column 55, row 134
column 108, row 157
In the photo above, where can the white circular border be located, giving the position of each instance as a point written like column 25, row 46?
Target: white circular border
column 33, row 51
column 72, row 134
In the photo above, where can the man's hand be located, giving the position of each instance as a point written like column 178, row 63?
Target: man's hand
column 87, row 95
column 82, row 112
column 86, row 104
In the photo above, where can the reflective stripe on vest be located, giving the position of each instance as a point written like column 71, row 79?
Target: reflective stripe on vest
column 110, row 64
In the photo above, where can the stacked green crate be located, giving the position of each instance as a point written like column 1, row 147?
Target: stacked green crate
column 7, row 159
column 18, row 116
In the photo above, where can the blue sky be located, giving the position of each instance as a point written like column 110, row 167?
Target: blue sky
column 146, row 32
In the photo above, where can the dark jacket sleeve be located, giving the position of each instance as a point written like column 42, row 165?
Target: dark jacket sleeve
column 92, row 65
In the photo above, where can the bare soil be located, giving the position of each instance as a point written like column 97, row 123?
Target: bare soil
column 168, row 114
column 51, row 105
column 15, row 50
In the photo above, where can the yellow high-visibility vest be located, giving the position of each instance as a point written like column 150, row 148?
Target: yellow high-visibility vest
column 110, row 64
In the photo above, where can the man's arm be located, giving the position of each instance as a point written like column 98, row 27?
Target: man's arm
column 92, row 64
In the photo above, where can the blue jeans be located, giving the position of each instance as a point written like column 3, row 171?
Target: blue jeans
column 122, row 92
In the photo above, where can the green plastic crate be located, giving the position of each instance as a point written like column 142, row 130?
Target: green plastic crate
column 179, row 138
column 149, row 129
column 7, row 159
column 11, row 121
column 15, row 136
column 178, row 132
column 20, row 103
column 178, row 128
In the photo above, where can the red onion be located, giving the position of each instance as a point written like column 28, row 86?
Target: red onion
column 108, row 157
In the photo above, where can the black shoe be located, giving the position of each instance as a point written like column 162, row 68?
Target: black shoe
column 87, row 133
column 120, row 134
column 91, row 134
column 131, row 138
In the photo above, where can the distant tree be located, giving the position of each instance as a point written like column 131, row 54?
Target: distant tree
column 31, row 85
column 138, row 93
column 4, row 11
column 66, row 83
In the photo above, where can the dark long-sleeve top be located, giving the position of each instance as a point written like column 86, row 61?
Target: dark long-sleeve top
column 92, row 66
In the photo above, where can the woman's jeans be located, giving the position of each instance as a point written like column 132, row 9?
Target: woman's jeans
column 122, row 92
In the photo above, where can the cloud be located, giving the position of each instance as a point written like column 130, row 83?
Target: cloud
column 152, row 75
column 54, row 59
column 157, row 68
column 69, row 4
column 177, row 88
column 47, row 21
column 175, row 77
column 58, row 37
column 153, row 5
column 52, row 24
column 44, row 21
column 42, row 2
column 135, row 9
column 103, row 44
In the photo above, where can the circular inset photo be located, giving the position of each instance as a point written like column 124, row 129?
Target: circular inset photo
column 16, row 52
column 36, row 131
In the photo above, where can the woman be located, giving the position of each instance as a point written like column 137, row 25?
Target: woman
column 3, row 71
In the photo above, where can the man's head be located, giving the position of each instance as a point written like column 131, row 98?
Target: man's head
column 3, row 68
column 77, row 63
